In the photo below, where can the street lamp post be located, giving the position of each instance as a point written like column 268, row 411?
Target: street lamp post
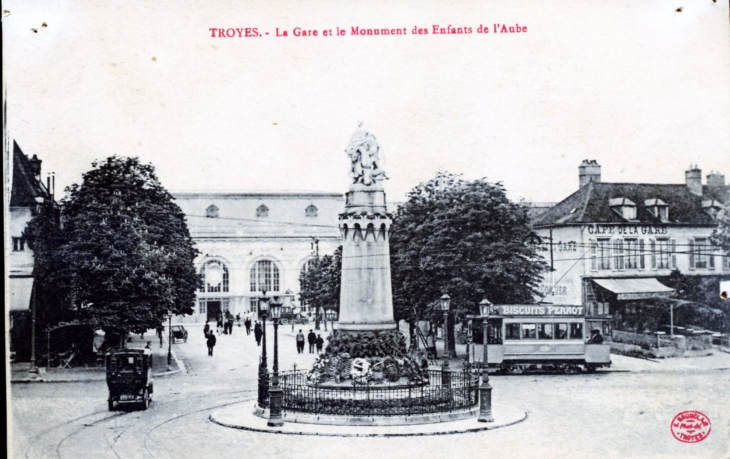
column 263, row 366
column 169, row 340
column 485, row 390
column 445, row 304
column 275, row 392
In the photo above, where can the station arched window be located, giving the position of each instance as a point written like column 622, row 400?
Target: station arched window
column 264, row 276
column 213, row 277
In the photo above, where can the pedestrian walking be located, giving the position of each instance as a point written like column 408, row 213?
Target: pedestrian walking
column 319, row 342
column 300, row 342
column 238, row 319
column 219, row 325
column 206, row 329
column 247, row 324
column 211, row 343
column 311, row 338
column 257, row 332
column 160, row 330
column 230, row 325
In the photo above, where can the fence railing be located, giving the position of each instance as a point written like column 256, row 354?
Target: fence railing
column 444, row 392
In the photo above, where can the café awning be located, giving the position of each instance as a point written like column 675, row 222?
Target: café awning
column 635, row 289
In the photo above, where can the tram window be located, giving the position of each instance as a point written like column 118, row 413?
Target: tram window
column 545, row 331
column 512, row 331
column 561, row 331
column 576, row 331
column 528, row 331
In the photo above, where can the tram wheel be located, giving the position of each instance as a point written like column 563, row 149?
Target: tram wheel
column 591, row 368
column 571, row 370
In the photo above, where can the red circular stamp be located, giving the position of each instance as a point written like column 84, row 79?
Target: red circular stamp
column 691, row 426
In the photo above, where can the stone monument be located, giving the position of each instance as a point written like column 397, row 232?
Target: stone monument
column 365, row 298
column 365, row 345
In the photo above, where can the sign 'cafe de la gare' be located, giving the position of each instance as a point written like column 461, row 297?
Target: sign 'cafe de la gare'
column 612, row 243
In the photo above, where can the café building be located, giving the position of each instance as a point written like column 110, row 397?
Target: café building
column 610, row 245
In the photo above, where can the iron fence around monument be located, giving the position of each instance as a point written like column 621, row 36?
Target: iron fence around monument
column 458, row 391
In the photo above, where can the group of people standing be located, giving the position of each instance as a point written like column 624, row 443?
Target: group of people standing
column 315, row 341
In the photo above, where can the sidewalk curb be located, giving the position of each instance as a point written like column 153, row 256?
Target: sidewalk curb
column 180, row 368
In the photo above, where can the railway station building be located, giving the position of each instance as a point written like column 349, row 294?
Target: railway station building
column 612, row 246
column 255, row 241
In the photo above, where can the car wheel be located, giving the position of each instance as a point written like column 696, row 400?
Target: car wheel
column 111, row 405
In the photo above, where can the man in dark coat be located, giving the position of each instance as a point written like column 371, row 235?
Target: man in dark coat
column 319, row 342
column 257, row 332
column 211, row 343
column 247, row 324
column 206, row 329
column 311, row 338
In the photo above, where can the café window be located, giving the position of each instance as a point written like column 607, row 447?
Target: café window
column 726, row 263
column 657, row 208
column 624, row 207
column 632, row 254
column 700, row 256
column 618, row 254
column 601, row 254
column 662, row 256
column 512, row 331
column 576, row 331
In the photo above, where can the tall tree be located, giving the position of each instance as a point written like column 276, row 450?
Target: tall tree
column 127, row 252
column 721, row 234
column 320, row 283
column 464, row 238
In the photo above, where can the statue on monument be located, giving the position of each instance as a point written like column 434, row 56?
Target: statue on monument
column 363, row 151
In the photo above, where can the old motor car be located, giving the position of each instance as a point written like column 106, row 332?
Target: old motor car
column 179, row 333
column 129, row 377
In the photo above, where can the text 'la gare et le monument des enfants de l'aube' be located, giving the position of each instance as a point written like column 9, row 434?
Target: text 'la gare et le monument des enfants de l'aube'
column 252, row 32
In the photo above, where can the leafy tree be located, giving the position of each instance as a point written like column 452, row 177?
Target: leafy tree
column 721, row 234
column 464, row 238
column 320, row 284
column 126, row 252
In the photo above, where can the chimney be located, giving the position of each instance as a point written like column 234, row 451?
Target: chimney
column 589, row 171
column 693, row 179
column 715, row 179
column 35, row 166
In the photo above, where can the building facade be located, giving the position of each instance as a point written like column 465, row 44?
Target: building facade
column 24, row 197
column 251, row 242
column 611, row 244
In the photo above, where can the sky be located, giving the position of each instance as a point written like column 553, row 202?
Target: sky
column 639, row 86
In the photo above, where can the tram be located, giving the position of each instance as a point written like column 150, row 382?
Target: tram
column 546, row 337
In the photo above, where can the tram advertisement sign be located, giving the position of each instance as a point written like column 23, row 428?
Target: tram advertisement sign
column 539, row 310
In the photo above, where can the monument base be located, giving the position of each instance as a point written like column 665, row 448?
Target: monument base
column 358, row 327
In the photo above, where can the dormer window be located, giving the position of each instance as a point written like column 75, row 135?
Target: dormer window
column 311, row 211
column 657, row 208
column 624, row 207
column 712, row 207
column 262, row 211
column 211, row 211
